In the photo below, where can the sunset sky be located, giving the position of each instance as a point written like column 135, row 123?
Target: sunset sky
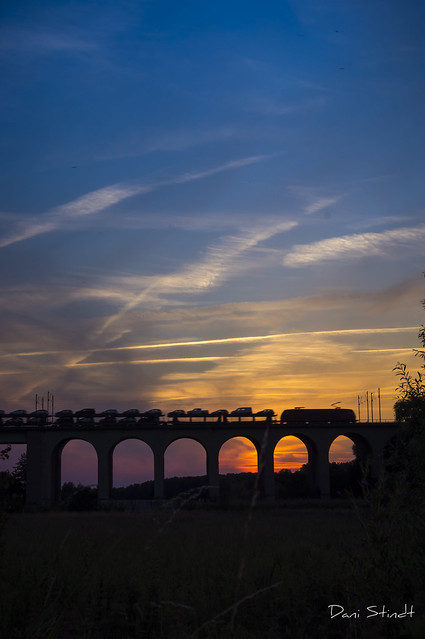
column 209, row 203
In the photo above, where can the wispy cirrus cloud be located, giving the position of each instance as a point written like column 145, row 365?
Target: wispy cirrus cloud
column 245, row 339
column 136, row 145
column 319, row 204
column 216, row 221
column 316, row 201
column 218, row 264
column 291, row 338
column 354, row 246
column 184, row 360
column 228, row 166
column 372, row 222
column 60, row 217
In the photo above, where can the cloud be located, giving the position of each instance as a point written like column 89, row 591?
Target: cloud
column 198, row 221
column 246, row 339
column 377, row 221
column 41, row 321
column 235, row 164
column 306, row 362
column 319, row 204
column 184, row 360
column 354, row 246
column 315, row 201
column 59, row 217
column 383, row 350
column 312, row 370
column 88, row 204
column 174, row 140
column 219, row 263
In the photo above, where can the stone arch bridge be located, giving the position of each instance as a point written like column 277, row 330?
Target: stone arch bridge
column 45, row 445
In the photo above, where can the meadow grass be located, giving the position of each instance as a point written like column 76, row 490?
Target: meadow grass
column 188, row 574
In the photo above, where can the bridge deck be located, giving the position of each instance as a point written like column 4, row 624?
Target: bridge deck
column 18, row 434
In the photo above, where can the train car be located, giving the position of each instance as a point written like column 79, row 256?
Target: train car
column 318, row 415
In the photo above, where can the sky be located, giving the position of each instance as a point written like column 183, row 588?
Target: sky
column 213, row 204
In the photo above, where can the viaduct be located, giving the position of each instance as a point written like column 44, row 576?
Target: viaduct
column 45, row 444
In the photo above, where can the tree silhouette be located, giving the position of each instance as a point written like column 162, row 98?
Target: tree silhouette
column 4, row 454
column 19, row 473
column 410, row 405
column 408, row 451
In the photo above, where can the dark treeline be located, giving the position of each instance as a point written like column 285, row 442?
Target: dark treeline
column 345, row 479
column 13, row 484
column 234, row 487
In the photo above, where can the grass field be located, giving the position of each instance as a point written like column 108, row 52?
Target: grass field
column 202, row 573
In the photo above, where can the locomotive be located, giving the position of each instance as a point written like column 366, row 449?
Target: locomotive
column 317, row 415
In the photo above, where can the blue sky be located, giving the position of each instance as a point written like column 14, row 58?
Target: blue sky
column 178, row 174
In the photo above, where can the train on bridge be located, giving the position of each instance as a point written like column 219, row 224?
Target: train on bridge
column 89, row 417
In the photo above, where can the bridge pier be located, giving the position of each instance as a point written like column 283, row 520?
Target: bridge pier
column 266, row 467
column 213, row 475
column 322, row 476
column 377, row 458
column 104, row 475
column 158, row 489
column 40, row 471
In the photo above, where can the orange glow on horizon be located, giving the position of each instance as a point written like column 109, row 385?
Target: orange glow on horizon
column 238, row 455
column 290, row 453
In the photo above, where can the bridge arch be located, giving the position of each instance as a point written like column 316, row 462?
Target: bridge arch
column 312, row 459
column 238, row 454
column 132, row 461
column 193, row 437
column 291, row 451
column 241, row 451
column 364, row 449
column 291, row 455
column 343, row 449
column 88, row 449
column 184, row 456
column 348, row 469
